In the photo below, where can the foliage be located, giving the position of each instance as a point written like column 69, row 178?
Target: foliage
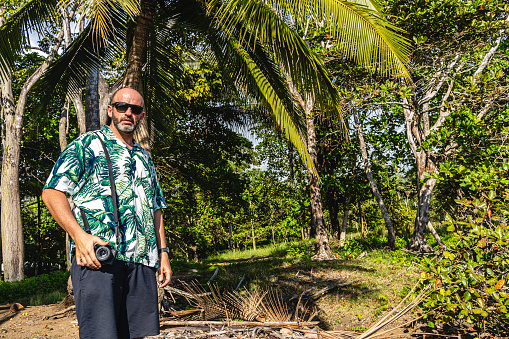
column 45, row 283
column 470, row 279
column 355, row 246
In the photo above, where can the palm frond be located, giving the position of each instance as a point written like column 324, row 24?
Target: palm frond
column 255, row 74
column 84, row 55
column 297, row 61
column 360, row 30
column 14, row 33
column 162, row 78
column 100, row 16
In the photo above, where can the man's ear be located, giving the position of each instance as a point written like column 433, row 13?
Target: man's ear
column 142, row 116
column 110, row 111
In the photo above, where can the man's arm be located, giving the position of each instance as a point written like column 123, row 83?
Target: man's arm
column 59, row 208
column 164, row 259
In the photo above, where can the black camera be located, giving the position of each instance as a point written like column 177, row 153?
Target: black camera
column 105, row 254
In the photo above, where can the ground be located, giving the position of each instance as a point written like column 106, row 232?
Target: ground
column 29, row 323
column 348, row 294
column 359, row 290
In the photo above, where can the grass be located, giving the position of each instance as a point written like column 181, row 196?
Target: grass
column 284, row 249
column 46, row 298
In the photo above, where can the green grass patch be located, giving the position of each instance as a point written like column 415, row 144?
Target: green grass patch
column 46, row 298
column 40, row 288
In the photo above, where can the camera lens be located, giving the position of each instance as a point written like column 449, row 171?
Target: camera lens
column 102, row 253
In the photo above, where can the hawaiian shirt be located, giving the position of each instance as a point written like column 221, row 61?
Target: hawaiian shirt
column 82, row 172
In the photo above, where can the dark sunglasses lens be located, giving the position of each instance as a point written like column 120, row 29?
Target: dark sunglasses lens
column 122, row 108
column 136, row 109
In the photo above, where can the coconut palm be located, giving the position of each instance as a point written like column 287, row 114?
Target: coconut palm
column 262, row 56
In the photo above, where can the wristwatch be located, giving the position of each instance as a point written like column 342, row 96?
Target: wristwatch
column 164, row 249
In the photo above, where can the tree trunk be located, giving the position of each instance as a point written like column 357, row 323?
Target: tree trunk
column 290, row 162
column 12, row 229
column 63, row 125
column 333, row 205
column 346, row 210
column 104, row 100
column 324, row 252
column 436, row 236
column 135, row 61
column 92, row 101
column 418, row 242
column 361, row 220
column 253, row 235
column 391, row 239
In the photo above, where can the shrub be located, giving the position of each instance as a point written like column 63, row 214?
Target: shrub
column 24, row 289
column 470, row 279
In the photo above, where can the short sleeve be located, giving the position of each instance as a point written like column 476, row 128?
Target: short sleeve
column 158, row 198
column 68, row 170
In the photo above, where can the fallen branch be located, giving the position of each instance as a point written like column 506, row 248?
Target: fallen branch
column 213, row 275
column 184, row 313
column 328, row 288
column 238, row 323
column 240, row 283
column 70, row 308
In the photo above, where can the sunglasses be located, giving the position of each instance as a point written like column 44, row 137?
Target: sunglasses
column 122, row 107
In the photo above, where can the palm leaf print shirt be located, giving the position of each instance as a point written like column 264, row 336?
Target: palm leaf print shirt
column 82, row 172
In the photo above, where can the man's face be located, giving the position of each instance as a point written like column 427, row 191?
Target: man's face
column 123, row 118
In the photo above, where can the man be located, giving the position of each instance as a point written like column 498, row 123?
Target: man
column 117, row 300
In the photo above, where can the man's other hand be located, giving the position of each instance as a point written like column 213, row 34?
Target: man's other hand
column 164, row 270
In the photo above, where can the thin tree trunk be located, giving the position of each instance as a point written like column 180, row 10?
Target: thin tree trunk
column 63, row 128
column 391, row 239
column 361, row 219
column 63, row 125
column 135, row 61
column 436, row 236
column 344, row 227
column 290, row 162
column 253, row 235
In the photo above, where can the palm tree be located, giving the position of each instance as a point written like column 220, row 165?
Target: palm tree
column 256, row 43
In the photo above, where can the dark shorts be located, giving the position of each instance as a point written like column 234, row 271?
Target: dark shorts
column 117, row 301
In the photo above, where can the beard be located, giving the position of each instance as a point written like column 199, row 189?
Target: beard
column 122, row 128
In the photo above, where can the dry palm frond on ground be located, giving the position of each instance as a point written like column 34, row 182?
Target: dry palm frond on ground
column 268, row 307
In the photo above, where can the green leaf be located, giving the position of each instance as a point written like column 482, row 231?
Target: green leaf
column 448, row 255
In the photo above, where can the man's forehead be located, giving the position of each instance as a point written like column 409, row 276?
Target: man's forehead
column 129, row 96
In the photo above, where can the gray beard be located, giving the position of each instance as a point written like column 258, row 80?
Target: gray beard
column 124, row 129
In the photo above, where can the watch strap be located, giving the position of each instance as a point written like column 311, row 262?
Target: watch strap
column 164, row 249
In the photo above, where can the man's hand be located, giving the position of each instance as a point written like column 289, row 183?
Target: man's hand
column 85, row 252
column 164, row 270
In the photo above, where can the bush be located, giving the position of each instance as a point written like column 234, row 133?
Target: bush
column 24, row 289
column 470, row 279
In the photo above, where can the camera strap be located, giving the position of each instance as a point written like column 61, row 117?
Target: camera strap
column 113, row 195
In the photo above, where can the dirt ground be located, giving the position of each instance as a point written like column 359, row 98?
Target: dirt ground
column 29, row 323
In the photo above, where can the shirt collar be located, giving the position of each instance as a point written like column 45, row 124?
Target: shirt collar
column 109, row 135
